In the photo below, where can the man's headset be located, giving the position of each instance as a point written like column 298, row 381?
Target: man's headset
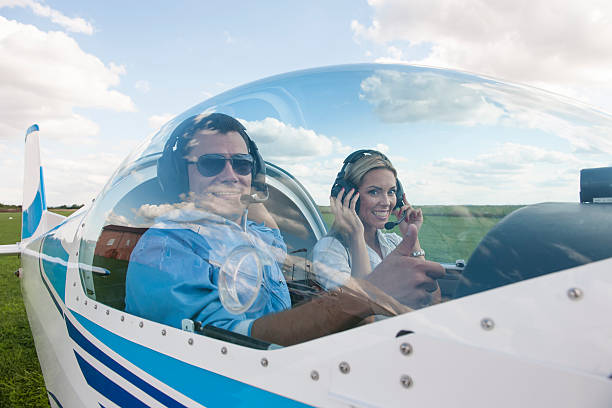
column 341, row 182
column 172, row 165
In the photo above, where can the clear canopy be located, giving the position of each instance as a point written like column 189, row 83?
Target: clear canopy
column 184, row 234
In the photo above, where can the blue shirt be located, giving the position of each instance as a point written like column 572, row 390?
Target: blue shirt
column 174, row 270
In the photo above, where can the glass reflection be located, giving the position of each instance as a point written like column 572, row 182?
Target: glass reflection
column 467, row 151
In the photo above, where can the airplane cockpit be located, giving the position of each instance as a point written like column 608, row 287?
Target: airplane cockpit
column 231, row 234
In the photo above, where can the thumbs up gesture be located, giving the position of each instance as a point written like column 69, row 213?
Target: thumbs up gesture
column 410, row 280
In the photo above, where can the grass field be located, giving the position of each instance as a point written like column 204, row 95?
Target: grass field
column 452, row 232
column 448, row 233
column 21, row 381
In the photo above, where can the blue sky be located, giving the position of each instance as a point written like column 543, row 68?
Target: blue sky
column 100, row 76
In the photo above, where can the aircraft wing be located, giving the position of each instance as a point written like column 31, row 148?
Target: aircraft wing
column 14, row 249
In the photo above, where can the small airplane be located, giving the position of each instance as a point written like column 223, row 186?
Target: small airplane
column 521, row 323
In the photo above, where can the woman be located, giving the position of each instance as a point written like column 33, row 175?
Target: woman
column 366, row 192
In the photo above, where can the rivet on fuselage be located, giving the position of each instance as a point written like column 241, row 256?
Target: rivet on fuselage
column 344, row 367
column 190, row 341
column 107, row 312
column 122, row 318
column 405, row 349
column 264, row 362
column 574, row 293
column 163, row 332
column 223, row 350
column 85, row 302
column 140, row 324
column 406, row 381
column 487, row 323
column 95, row 306
column 77, row 298
column 314, row 375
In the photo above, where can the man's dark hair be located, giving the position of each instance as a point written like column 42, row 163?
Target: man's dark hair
column 219, row 122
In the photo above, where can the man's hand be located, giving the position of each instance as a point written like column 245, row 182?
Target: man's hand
column 410, row 280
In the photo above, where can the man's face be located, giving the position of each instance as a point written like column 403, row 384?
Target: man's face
column 219, row 193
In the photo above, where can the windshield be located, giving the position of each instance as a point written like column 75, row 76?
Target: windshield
column 367, row 190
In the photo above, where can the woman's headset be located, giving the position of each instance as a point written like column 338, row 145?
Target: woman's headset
column 341, row 182
column 172, row 165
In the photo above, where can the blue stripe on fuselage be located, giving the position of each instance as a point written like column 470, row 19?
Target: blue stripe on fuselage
column 55, row 399
column 206, row 387
column 118, row 368
column 54, row 263
column 106, row 387
column 59, row 309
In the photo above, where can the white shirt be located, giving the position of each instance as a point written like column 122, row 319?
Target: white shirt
column 332, row 261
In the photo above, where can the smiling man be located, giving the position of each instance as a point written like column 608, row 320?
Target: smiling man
column 210, row 169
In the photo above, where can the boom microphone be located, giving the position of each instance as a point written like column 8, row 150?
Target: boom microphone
column 255, row 198
column 391, row 224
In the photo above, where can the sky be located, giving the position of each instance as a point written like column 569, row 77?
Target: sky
column 98, row 77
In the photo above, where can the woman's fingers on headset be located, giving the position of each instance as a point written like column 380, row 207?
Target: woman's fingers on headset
column 354, row 199
column 334, row 200
column 346, row 200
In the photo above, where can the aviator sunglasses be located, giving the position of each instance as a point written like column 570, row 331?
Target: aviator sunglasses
column 212, row 164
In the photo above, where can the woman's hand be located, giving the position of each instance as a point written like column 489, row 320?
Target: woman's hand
column 413, row 216
column 346, row 220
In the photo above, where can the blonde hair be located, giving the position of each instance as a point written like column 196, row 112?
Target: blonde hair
column 355, row 171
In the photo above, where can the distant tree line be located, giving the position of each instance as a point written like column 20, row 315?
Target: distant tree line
column 17, row 208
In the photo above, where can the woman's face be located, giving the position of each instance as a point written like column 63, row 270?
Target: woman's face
column 377, row 197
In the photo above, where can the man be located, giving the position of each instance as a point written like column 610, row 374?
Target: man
column 174, row 271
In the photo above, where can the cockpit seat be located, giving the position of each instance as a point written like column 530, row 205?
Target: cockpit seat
column 112, row 252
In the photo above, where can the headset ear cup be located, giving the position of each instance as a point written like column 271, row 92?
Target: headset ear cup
column 341, row 183
column 172, row 172
column 399, row 193
column 258, row 176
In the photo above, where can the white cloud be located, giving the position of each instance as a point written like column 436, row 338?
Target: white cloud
column 143, row 86
column 11, row 167
column 280, row 141
column 566, row 48
column 44, row 76
column 69, row 178
column 401, row 97
column 87, row 174
column 117, row 69
column 73, row 24
column 157, row 121
column 511, row 173
column 381, row 147
column 313, row 158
